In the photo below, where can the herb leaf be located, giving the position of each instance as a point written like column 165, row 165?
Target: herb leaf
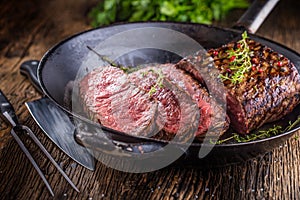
column 197, row 11
column 159, row 81
column 275, row 130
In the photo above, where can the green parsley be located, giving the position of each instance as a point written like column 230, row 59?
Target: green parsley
column 197, row 11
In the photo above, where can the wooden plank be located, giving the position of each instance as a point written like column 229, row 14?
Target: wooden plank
column 30, row 31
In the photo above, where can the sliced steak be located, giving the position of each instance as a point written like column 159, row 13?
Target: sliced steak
column 212, row 115
column 201, row 67
column 178, row 113
column 110, row 99
column 268, row 91
column 207, row 107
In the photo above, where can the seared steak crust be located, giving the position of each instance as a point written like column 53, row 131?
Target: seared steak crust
column 268, row 91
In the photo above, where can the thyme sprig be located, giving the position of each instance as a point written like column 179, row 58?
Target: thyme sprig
column 126, row 69
column 292, row 125
column 275, row 130
column 240, row 61
column 159, row 81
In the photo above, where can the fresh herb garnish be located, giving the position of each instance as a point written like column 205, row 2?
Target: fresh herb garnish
column 275, row 130
column 126, row 69
column 239, row 61
column 292, row 125
column 159, row 81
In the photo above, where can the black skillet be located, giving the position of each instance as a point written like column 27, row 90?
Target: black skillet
column 61, row 64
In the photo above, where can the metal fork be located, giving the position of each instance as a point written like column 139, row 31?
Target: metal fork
column 8, row 113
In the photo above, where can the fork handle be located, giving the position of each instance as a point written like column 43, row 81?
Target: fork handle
column 6, row 107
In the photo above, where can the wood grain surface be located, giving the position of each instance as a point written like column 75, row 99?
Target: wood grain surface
column 28, row 29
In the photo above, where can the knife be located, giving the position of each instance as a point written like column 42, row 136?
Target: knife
column 55, row 122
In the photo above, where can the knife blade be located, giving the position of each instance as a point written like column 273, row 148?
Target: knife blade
column 55, row 122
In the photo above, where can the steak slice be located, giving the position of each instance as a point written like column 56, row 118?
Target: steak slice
column 207, row 107
column 268, row 91
column 178, row 113
column 109, row 98
column 213, row 117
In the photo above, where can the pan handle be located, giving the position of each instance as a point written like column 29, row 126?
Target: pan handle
column 252, row 19
column 100, row 143
column 98, row 139
column 29, row 69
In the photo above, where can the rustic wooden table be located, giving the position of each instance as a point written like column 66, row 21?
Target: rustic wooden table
column 28, row 29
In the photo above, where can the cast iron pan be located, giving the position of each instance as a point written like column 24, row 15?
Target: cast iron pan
column 61, row 63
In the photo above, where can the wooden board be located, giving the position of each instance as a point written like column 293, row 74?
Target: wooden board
column 28, row 29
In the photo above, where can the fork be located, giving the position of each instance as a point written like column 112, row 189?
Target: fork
column 8, row 113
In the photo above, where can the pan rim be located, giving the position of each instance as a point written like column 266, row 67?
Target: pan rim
column 193, row 144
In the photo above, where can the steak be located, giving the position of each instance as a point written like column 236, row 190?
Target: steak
column 178, row 113
column 267, row 91
column 141, row 108
column 210, row 111
column 257, row 84
column 109, row 98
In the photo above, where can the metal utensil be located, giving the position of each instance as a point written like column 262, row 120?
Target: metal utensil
column 8, row 113
column 54, row 122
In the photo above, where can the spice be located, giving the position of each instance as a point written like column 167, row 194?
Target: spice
column 232, row 58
